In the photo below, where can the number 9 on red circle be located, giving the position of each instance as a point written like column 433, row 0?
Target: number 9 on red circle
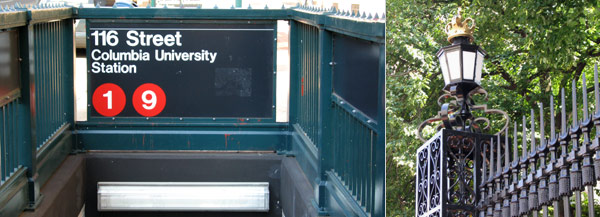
column 149, row 100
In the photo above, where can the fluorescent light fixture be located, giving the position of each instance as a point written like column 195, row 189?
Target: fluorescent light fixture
column 183, row 196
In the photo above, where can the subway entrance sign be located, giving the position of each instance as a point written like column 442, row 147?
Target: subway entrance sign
column 173, row 69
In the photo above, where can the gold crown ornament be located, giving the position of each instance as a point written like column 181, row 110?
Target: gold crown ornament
column 459, row 27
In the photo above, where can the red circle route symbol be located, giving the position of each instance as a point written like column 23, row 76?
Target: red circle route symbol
column 149, row 100
column 108, row 99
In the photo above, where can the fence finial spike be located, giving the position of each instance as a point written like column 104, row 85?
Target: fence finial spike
column 370, row 16
column 364, row 15
column 80, row 5
column 584, row 96
column 542, row 129
column 249, row 6
column 97, row 5
column 491, row 169
column 552, row 127
column 596, row 91
column 298, row 4
column 114, row 6
column 524, row 138
column 532, row 130
column 266, row 6
column 498, row 157
column 165, row 6
column 376, row 16
column 506, row 148
column 216, row 7
column 484, row 162
column 574, row 103
column 563, row 115
column 383, row 16
column 232, row 7
column 282, row 6
column 515, row 149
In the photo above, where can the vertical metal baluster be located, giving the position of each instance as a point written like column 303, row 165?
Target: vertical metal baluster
column 563, row 180
column 514, row 202
column 523, row 201
column 540, row 173
column 533, row 197
column 553, row 195
column 506, row 175
column 596, row 119
column 585, row 151
column 482, row 187
column 573, row 159
column 498, row 178
column 490, row 181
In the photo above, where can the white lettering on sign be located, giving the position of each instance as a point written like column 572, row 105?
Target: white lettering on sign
column 113, row 68
column 109, row 56
column 135, row 38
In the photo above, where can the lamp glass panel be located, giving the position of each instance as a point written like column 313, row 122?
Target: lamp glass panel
column 468, row 65
column 444, row 66
column 454, row 64
column 478, row 67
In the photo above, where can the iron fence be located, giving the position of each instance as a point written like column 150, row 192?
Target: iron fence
column 550, row 171
column 525, row 171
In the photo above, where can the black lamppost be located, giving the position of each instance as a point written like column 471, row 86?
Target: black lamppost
column 449, row 165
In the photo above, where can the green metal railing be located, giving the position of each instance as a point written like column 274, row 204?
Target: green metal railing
column 353, row 164
column 308, row 100
column 336, row 144
column 340, row 151
column 53, row 59
column 35, row 123
column 10, row 139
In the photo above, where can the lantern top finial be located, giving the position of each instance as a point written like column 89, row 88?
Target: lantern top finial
column 459, row 27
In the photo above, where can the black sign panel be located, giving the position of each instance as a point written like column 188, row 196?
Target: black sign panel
column 173, row 69
column 356, row 73
column 9, row 63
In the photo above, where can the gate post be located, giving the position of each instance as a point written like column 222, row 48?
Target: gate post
column 325, row 105
column 449, row 174
column 29, row 146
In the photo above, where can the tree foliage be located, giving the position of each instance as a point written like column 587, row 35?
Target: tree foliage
column 534, row 48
